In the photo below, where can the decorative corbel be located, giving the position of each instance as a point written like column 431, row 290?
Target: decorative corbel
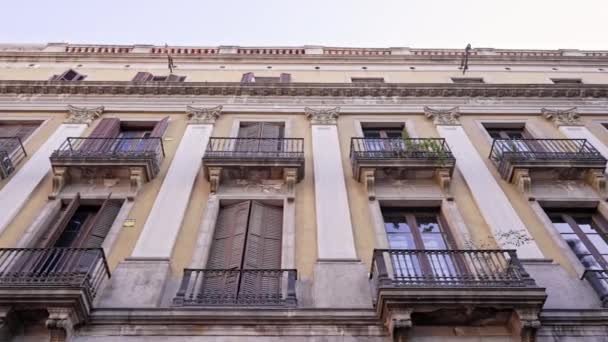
column 61, row 322
column 199, row 116
column 597, row 179
column 214, row 179
column 83, row 115
column 443, row 178
column 525, row 323
column 322, row 116
column 564, row 117
column 447, row 117
column 368, row 177
column 398, row 319
column 291, row 175
column 523, row 182
column 136, row 177
column 60, row 178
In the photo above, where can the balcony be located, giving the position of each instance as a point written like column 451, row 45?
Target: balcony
column 453, row 287
column 48, row 278
column 237, row 287
column 11, row 152
column 395, row 158
column 137, row 160
column 254, row 158
column 599, row 281
column 567, row 156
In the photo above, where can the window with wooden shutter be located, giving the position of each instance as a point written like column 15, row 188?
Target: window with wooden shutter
column 14, row 130
column 248, row 236
column 159, row 128
column 269, row 132
column 106, row 128
column 143, row 76
column 285, row 78
column 53, row 232
column 69, row 75
column 248, row 78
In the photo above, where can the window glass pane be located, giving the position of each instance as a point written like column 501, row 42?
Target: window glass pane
column 586, row 224
column 563, row 227
column 394, row 226
column 433, row 241
column 575, row 244
column 590, row 263
column 401, row 241
column 428, row 224
column 599, row 243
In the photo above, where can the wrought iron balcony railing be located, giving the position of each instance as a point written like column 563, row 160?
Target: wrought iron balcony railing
column 111, row 149
column 599, row 281
column 226, row 287
column 433, row 149
column 255, row 148
column 48, row 268
column 545, row 152
column 11, row 152
column 402, row 268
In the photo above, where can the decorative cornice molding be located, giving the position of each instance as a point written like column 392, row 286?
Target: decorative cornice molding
column 572, row 91
column 83, row 115
column 443, row 116
column 322, row 116
column 565, row 117
column 203, row 115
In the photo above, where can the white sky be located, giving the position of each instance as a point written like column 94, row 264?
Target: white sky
column 542, row 24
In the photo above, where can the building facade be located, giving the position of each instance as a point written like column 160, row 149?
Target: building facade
column 302, row 194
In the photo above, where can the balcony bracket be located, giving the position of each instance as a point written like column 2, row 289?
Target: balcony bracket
column 136, row 177
column 523, row 182
column 525, row 323
column 61, row 323
column 398, row 320
column 597, row 179
column 291, row 177
column 214, row 179
column 369, row 180
column 444, row 179
column 60, row 177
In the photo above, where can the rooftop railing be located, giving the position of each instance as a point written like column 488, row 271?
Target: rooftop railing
column 226, row 287
column 48, row 268
column 434, row 149
column 11, row 152
column 255, row 148
column 402, row 268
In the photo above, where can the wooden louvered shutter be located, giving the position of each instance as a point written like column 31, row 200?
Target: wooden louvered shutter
column 175, row 78
column 271, row 132
column 52, row 233
column 106, row 128
column 249, row 132
column 159, row 129
column 7, row 146
column 248, row 78
column 96, row 233
column 285, row 78
column 227, row 251
column 263, row 251
column 142, row 76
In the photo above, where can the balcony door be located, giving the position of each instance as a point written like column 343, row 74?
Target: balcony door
column 512, row 139
column 383, row 139
column 78, row 225
column 111, row 135
column 247, row 239
column 417, row 231
column 263, row 137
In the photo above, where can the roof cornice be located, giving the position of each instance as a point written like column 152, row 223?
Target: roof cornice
column 306, row 89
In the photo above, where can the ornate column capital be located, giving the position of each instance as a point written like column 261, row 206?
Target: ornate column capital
column 322, row 116
column 563, row 117
column 83, row 115
column 448, row 117
column 199, row 116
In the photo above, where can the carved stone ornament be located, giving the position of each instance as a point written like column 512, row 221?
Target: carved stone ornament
column 443, row 116
column 324, row 116
column 565, row 117
column 203, row 115
column 61, row 322
column 83, row 115
column 291, row 175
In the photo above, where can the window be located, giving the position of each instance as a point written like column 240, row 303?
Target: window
column 124, row 136
column 585, row 233
column 382, row 131
column 17, row 130
column 148, row 77
column 260, row 137
column 567, row 80
column 467, row 80
column 415, row 228
column 367, row 80
column 248, row 236
column 251, row 78
column 507, row 132
column 69, row 75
